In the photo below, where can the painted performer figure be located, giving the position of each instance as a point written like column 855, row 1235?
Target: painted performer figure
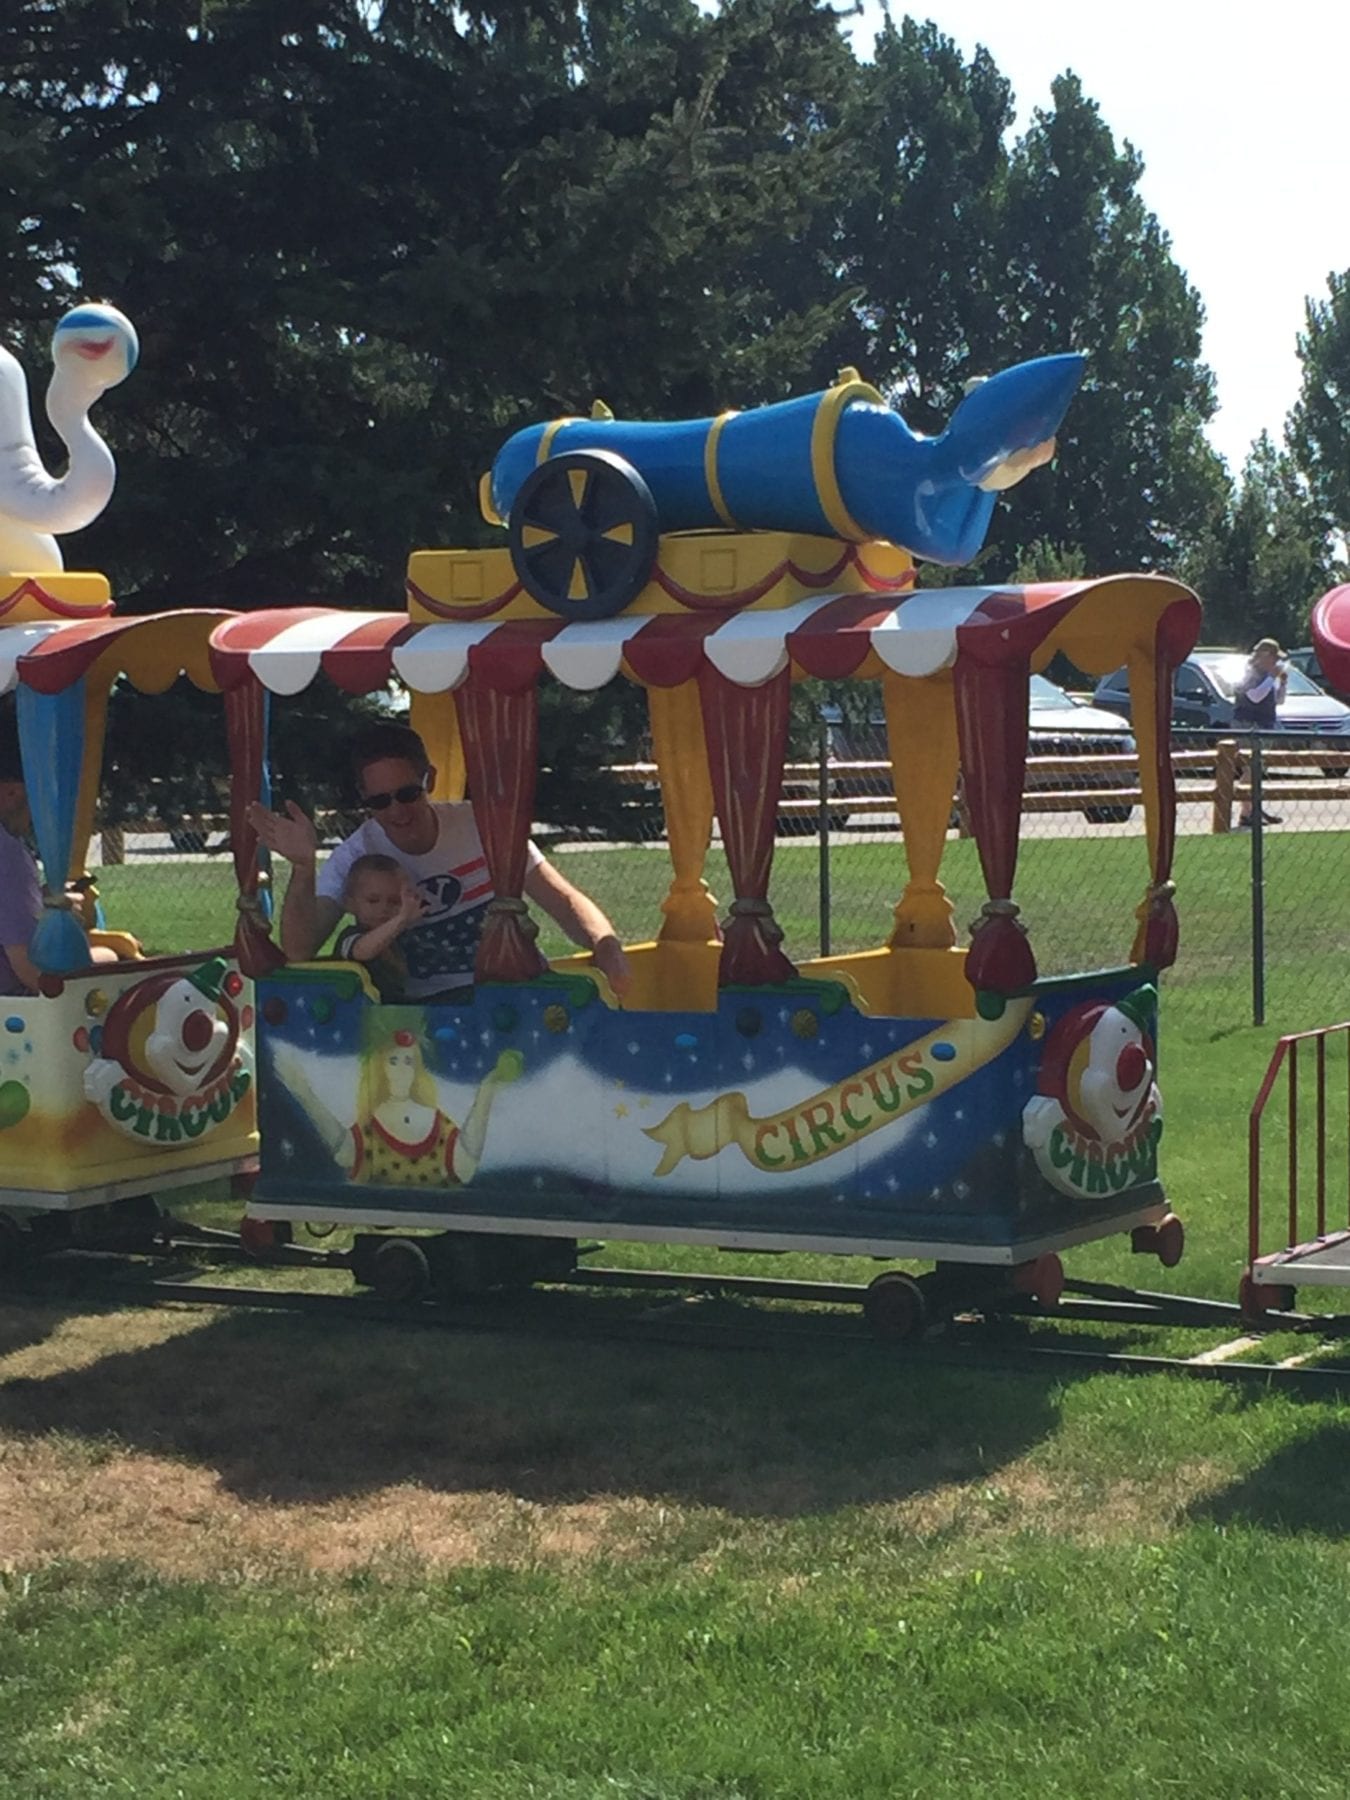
column 401, row 1135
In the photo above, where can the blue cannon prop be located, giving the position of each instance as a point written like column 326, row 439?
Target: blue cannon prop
column 840, row 463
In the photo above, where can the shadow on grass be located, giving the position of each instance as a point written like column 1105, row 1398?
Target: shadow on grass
column 1303, row 1487
column 292, row 1412
column 22, row 1326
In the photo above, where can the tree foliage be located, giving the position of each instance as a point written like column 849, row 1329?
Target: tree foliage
column 363, row 242
column 1319, row 427
column 1267, row 559
column 972, row 254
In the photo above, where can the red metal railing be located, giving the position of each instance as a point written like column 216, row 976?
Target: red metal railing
column 1287, row 1054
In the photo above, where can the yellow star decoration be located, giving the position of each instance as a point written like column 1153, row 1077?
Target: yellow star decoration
column 621, row 1111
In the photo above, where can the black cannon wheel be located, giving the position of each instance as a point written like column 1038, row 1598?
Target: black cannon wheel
column 583, row 534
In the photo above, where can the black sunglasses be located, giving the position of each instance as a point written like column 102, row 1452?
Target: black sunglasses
column 403, row 795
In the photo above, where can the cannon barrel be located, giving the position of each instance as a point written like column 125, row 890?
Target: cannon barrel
column 841, row 463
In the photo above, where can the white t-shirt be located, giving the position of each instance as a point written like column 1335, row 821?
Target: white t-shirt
column 453, row 875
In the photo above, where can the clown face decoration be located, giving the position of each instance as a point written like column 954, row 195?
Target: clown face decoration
column 169, row 1066
column 1094, row 1123
column 187, row 1040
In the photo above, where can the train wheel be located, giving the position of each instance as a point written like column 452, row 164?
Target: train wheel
column 1166, row 1240
column 1171, row 1245
column 1256, row 1300
column 257, row 1237
column 400, row 1271
column 1042, row 1278
column 583, row 534
column 894, row 1307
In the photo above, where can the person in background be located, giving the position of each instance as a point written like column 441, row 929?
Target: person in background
column 437, row 846
column 1256, row 699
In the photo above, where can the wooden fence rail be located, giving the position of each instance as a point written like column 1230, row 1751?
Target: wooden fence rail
column 1216, row 777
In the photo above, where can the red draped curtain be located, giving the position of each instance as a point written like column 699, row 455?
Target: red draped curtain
column 991, row 717
column 246, row 725
column 746, row 730
column 499, row 728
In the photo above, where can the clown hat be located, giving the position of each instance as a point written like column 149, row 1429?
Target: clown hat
column 1140, row 1008
column 208, row 978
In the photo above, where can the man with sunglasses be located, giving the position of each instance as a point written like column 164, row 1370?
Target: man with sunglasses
column 436, row 843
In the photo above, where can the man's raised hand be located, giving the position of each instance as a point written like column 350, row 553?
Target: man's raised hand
column 290, row 834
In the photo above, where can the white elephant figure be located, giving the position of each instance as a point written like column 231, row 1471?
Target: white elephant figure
column 93, row 348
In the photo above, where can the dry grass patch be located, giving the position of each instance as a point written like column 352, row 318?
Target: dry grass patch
column 1025, row 1497
column 200, row 1442
column 178, row 1520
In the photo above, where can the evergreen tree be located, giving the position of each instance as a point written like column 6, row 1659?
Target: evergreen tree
column 972, row 255
column 1263, row 564
column 1319, row 426
column 1088, row 267
column 362, row 243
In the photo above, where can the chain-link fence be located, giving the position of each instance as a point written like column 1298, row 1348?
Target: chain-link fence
column 1265, row 909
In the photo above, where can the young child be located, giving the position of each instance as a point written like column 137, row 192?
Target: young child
column 383, row 903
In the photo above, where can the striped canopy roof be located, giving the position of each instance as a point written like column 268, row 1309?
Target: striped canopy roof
column 150, row 649
column 830, row 636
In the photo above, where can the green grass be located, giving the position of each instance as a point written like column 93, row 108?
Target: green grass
column 825, row 1578
column 1078, row 896
column 1125, row 1679
column 372, row 1562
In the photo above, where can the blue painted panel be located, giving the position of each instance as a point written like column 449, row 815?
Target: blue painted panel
column 784, row 1112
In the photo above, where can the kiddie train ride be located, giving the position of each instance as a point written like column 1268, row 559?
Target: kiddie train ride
column 123, row 1078
column 916, row 1100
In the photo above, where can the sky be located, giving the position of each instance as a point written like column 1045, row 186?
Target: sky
column 1242, row 117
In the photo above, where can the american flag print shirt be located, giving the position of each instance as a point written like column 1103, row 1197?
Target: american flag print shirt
column 453, row 879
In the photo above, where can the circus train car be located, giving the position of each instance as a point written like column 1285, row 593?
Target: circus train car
column 124, row 1076
column 915, row 1100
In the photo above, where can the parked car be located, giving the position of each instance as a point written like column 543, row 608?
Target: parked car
column 1059, row 725
column 1202, row 699
column 1305, row 661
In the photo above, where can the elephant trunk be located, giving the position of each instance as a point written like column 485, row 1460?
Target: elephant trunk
column 28, row 494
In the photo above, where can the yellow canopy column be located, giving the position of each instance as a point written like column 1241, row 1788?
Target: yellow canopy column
column 925, row 760
column 686, row 793
column 436, row 722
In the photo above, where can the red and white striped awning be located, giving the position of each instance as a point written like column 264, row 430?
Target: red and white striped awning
column 16, row 641
column 827, row 635
column 151, row 648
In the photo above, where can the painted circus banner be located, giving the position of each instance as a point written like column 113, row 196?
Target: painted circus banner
column 837, row 1117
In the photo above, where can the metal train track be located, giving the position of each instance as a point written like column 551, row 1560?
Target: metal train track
column 1001, row 1340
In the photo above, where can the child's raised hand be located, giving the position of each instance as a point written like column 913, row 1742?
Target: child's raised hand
column 412, row 906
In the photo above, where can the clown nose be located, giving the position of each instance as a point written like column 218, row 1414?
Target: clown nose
column 197, row 1029
column 1131, row 1068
